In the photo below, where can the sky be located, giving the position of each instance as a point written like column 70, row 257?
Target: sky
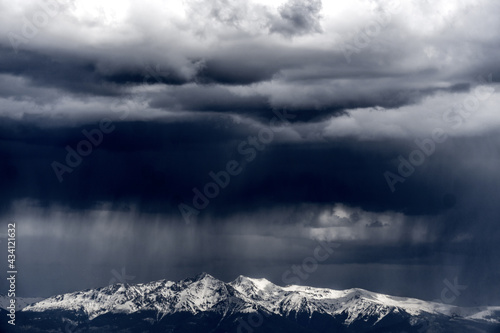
column 358, row 141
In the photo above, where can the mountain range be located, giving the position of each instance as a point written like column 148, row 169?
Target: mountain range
column 245, row 305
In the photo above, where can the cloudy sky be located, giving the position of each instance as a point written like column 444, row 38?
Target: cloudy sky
column 147, row 140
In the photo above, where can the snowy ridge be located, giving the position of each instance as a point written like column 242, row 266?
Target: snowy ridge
column 205, row 293
column 202, row 293
column 21, row 302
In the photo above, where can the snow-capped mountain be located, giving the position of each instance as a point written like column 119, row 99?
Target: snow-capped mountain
column 206, row 304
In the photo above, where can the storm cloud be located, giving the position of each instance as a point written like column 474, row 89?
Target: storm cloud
column 231, row 136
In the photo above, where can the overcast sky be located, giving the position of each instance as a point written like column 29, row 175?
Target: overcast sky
column 372, row 125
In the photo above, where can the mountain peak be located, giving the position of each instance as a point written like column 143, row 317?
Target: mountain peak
column 252, row 286
column 202, row 276
column 245, row 279
column 240, row 279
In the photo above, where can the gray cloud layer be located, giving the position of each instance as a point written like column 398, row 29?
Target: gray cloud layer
column 189, row 86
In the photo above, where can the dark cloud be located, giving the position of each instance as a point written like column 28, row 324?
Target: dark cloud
column 187, row 94
column 158, row 164
column 232, row 72
column 376, row 224
column 298, row 17
column 67, row 72
column 213, row 99
column 79, row 74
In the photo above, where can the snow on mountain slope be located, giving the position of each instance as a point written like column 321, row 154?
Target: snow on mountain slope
column 356, row 302
column 490, row 314
column 21, row 302
column 200, row 294
column 206, row 293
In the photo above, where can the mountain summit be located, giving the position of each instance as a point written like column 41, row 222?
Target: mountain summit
column 206, row 304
